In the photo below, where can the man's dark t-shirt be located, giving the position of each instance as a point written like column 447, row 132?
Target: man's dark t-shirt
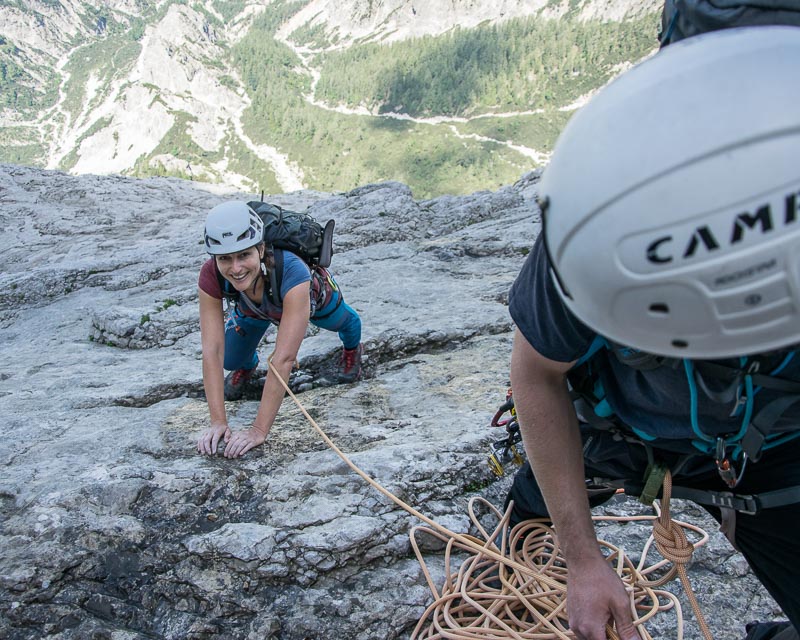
column 656, row 403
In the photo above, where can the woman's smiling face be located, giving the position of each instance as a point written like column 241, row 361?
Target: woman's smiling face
column 242, row 268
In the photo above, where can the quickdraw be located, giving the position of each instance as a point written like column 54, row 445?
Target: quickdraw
column 505, row 450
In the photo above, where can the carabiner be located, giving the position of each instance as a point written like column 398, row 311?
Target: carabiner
column 725, row 467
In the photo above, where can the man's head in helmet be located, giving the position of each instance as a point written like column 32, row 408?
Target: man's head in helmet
column 672, row 200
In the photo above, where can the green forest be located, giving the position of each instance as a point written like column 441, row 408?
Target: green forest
column 471, row 78
column 17, row 86
column 522, row 65
column 519, row 65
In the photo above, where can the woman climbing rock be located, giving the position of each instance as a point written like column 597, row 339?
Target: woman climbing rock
column 266, row 286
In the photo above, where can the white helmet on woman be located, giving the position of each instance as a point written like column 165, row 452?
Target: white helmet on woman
column 232, row 226
column 672, row 200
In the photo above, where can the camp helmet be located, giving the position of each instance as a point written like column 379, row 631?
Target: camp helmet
column 671, row 203
column 232, row 226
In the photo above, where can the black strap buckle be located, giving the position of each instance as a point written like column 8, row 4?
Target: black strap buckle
column 746, row 504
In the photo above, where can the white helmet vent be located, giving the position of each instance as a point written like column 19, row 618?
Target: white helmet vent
column 231, row 227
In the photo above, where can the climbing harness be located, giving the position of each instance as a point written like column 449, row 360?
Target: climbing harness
column 514, row 584
column 738, row 388
column 505, row 450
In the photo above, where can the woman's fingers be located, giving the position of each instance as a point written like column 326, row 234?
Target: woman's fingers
column 209, row 441
column 238, row 444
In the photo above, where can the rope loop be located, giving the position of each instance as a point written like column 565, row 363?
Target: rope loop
column 483, row 598
column 513, row 582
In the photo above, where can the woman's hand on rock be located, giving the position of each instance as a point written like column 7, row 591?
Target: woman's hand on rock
column 240, row 442
column 207, row 444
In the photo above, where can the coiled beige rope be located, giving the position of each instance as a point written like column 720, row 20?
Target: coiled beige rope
column 513, row 585
column 484, row 599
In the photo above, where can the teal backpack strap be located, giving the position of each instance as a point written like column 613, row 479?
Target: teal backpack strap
column 669, row 19
column 756, row 432
column 588, row 395
column 598, row 343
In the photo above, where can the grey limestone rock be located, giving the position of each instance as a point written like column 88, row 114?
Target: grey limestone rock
column 111, row 524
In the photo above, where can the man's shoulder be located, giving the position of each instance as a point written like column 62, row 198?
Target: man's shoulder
column 541, row 315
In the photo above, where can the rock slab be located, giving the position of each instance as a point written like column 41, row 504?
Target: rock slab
column 112, row 526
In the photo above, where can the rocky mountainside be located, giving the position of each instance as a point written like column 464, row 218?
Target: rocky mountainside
column 390, row 20
column 157, row 89
column 112, row 526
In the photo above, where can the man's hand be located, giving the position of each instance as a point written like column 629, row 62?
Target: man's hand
column 596, row 597
column 242, row 441
column 207, row 444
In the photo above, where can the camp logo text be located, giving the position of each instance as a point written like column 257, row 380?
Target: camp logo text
column 763, row 220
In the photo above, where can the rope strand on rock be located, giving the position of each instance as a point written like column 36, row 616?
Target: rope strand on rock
column 514, row 584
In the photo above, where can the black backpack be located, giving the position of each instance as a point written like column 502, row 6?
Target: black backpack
column 686, row 18
column 296, row 232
